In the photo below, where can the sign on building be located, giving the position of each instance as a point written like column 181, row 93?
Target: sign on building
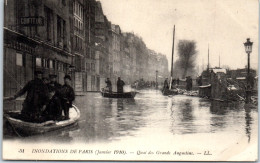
column 31, row 21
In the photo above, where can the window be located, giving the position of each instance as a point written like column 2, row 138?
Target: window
column 61, row 30
column 87, row 66
column 64, row 67
column 49, row 22
column 60, row 66
column 64, row 2
column 92, row 66
column 38, row 62
column 45, row 63
column 51, row 64
column 19, row 59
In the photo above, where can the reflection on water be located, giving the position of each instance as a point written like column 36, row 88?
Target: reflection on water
column 105, row 119
column 248, row 119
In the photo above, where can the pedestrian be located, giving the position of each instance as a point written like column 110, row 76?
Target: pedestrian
column 36, row 98
column 66, row 95
column 120, row 85
column 109, row 85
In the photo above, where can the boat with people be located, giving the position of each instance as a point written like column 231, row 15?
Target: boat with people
column 108, row 94
column 26, row 128
column 168, row 92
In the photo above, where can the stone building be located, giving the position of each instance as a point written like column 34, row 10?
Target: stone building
column 102, row 26
column 90, row 58
column 78, row 44
column 36, row 37
column 70, row 37
column 114, row 51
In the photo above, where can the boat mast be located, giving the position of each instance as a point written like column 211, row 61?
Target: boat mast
column 172, row 51
column 208, row 57
column 219, row 61
column 172, row 56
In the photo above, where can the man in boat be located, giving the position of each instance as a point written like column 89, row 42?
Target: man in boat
column 53, row 109
column 120, row 85
column 66, row 95
column 53, row 82
column 46, row 80
column 199, row 81
column 188, row 83
column 178, row 81
column 36, row 98
column 109, row 85
column 165, row 85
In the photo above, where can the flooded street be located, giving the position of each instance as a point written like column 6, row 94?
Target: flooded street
column 153, row 121
column 150, row 114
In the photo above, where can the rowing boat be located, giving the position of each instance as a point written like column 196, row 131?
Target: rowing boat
column 25, row 128
column 118, row 95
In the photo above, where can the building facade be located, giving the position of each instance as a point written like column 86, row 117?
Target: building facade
column 71, row 37
column 36, row 37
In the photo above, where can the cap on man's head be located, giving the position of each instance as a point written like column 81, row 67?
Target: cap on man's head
column 44, row 78
column 67, row 77
column 51, row 76
column 38, row 72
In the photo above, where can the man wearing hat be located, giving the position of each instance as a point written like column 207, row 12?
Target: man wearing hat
column 53, row 82
column 53, row 110
column 36, row 98
column 120, row 85
column 109, row 85
column 165, row 85
column 67, row 95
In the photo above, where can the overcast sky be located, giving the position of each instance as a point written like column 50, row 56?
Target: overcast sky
column 223, row 24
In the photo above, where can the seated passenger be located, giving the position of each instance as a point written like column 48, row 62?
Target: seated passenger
column 53, row 109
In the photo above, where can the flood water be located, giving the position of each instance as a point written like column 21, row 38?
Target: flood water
column 152, row 116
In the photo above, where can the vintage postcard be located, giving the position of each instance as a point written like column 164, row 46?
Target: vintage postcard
column 130, row 80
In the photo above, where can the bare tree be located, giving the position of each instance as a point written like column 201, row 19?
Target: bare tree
column 187, row 56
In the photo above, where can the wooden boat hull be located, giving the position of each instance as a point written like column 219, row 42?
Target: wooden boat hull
column 118, row 95
column 29, row 128
column 167, row 92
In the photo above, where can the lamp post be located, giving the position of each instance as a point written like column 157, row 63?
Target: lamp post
column 248, row 48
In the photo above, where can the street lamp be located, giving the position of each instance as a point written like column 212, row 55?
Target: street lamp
column 248, row 48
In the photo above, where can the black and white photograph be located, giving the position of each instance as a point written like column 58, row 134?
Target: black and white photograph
column 130, row 80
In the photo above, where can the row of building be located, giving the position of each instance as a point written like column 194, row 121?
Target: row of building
column 72, row 37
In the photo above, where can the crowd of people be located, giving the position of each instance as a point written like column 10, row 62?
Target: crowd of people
column 176, row 82
column 46, row 99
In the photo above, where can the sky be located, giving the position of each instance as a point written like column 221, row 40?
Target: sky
column 221, row 25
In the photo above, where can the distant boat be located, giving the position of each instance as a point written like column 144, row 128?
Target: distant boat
column 118, row 95
column 24, row 128
column 167, row 92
